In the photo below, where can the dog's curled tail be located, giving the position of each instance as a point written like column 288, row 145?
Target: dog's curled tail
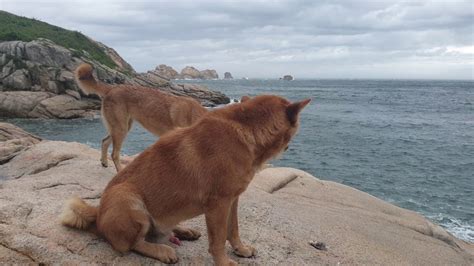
column 86, row 81
column 78, row 214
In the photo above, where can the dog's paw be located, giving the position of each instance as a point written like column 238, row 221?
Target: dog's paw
column 186, row 234
column 105, row 163
column 232, row 263
column 245, row 251
column 167, row 255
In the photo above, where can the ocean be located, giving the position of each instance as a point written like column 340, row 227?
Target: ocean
column 408, row 142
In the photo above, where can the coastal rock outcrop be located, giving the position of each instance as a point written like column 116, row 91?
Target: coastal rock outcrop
column 165, row 71
column 283, row 213
column 190, row 72
column 32, row 72
column 209, row 74
column 287, row 77
column 228, row 75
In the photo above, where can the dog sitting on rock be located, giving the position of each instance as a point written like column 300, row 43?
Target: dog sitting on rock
column 200, row 169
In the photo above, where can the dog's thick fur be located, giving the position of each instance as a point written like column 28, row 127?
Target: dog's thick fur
column 201, row 169
column 156, row 111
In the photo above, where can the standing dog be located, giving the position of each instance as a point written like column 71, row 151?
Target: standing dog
column 201, row 169
column 156, row 111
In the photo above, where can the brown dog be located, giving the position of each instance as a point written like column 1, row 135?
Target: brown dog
column 201, row 169
column 156, row 111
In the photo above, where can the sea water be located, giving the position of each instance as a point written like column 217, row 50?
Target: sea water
column 409, row 142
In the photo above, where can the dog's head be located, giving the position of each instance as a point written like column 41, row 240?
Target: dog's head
column 273, row 121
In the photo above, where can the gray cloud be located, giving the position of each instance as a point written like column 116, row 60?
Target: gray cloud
column 311, row 39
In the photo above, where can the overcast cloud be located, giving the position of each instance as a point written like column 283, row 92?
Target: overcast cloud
column 308, row 39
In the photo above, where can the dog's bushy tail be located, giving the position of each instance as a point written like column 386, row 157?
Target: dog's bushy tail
column 78, row 214
column 86, row 81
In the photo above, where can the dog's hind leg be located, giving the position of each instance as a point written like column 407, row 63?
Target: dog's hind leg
column 160, row 252
column 126, row 224
column 184, row 233
column 105, row 148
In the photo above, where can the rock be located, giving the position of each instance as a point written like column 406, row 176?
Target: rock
column 52, row 87
column 118, row 60
column 200, row 92
column 66, row 76
column 29, row 104
column 20, row 103
column 150, row 79
column 65, row 107
column 228, row 75
column 280, row 213
column 13, row 140
column 74, row 94
column 288, row 77
column 165, row 71
column 45, row 52
column 41, row 65
column 209, row 74
column 3, row 59
column 18, row 80
column 190, row 72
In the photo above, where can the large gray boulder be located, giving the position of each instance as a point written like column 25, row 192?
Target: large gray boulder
column 43, row 66
column 283, row 214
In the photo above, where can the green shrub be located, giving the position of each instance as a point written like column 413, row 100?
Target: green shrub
column 14, row 28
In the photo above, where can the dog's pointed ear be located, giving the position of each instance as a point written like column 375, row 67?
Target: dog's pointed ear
column 244, row 98
column 294, row 109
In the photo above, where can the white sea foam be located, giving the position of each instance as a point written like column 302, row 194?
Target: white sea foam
column 459, row 229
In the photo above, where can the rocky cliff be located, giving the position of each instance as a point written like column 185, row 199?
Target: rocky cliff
column 36, row 80
column 36, row 74
column 289, row 216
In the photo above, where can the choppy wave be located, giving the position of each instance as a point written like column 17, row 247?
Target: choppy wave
column 460, row 229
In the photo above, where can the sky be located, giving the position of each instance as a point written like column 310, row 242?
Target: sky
column 268, row 39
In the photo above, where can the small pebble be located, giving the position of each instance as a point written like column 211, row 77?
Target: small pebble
column 318, row 245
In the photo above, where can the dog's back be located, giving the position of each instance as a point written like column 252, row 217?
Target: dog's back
column 157, row 111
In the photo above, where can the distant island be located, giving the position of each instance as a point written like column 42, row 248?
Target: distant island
column 287, row 77
column 189, row 72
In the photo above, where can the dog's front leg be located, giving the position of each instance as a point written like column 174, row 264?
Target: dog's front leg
column 233, row 233
column 216, row 221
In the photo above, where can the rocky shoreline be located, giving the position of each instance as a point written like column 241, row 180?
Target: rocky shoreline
column 284, row 214
column 36, row 81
